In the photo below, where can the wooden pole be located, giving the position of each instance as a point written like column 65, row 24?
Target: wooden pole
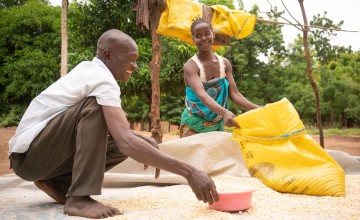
column 155, row 87
column 156, row 7
column 64, row 39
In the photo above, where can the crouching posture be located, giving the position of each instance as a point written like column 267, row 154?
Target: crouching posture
column 76, row 130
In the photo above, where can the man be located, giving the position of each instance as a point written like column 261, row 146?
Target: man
column 76, row 130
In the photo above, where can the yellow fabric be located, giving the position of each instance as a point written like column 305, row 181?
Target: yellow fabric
column 176, row 19
column 278, row 151
column 233, row 23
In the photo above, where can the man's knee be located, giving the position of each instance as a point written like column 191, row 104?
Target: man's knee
column 16, row 161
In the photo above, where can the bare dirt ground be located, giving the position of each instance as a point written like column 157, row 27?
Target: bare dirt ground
column 348, row 144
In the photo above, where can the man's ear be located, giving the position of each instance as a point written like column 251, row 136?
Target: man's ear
column 107, row 54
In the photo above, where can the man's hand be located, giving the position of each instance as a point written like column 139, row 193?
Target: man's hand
column 203, row 187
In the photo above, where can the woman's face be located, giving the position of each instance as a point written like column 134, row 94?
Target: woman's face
column 203, row 36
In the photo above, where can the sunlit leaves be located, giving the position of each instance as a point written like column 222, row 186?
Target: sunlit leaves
column 30, row 46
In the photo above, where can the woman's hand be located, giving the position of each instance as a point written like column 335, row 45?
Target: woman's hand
column 229, row 119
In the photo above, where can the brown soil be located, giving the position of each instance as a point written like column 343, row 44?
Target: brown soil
column 348, row 144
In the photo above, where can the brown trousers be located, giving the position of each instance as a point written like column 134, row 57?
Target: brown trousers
column 73, row 151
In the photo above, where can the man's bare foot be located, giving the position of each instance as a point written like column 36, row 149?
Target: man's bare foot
column 85, row 206
column 48, row 187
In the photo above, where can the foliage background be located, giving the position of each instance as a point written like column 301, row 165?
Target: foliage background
column 264, row 68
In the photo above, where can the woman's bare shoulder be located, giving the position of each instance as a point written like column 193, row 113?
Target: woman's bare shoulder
column 190, row 64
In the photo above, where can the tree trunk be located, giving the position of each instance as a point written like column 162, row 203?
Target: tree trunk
column 156, row 7
column 309, row 71
column 155, row 86
column 344, row 120
column 331, row 119
column 64, row 39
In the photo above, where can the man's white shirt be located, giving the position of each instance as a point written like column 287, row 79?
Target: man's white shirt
column 88, row 79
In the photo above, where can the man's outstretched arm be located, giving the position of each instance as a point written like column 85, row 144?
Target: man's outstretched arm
column 142, row 151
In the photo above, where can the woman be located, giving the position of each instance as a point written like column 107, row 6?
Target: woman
column 209, row 84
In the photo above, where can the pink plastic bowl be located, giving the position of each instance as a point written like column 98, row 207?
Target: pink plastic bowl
column 231, row 202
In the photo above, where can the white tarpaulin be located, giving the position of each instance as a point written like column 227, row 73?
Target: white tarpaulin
column 141, row 196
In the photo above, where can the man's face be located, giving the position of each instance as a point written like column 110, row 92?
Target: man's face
column 122, row 62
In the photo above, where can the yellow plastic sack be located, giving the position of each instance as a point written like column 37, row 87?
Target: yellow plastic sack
column 278, row 151
column 176, row 19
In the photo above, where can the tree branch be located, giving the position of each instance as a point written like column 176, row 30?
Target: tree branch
column 299, row 24
column 308, row 26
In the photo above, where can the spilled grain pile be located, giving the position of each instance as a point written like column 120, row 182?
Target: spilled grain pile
column 178, row 202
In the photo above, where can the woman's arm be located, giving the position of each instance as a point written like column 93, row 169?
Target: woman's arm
column 234, row 94
column 193, row 80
